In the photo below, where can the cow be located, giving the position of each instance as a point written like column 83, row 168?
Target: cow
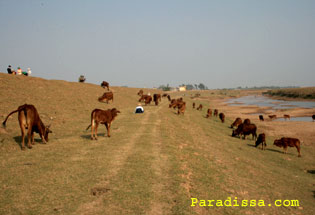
column 146, row 98
column 244, row 129
column 200, row 107
column 247, row 121
column 164, row 95
column 169, row 97
column 261, row 117
column 222, row 117
column 272, row 117
column 209, row 113
column 105, row 84
column 286, row 116
column 193, row 105
column 106, row 96
column 156, row 98
column 237, row 122
column 140, row 93
column 181, row 107
column 287, row 141
column 216, row 112
column 261, row 140
column 99, row 116
column 29, row 119
column 313, row 117
column 175, row 102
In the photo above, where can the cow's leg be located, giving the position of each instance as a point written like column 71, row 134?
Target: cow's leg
column 29, row 134
column 106, row 125
column 32, row 135
column 285, row 149
column 108, row 129
column 299, row 151
column 95, row 130
column 23, row 136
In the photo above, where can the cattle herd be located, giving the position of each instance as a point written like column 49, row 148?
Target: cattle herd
column 28, row 118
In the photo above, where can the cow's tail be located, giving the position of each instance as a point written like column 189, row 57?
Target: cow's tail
column 5, row 121
column 92, row 120
column 88, row 127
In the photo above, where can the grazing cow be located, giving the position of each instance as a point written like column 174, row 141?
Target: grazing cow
column 261, row 117
column 164, row 95
column 291, row 142
column 222, row 117
column 146, row 98
column 244, row 129
column 200, row 107
column 156, row 98
column 169, row 97
column 175, row 102
column 313, row 117
column 29, row 119
column 209, row 113
column 105, row 84
column 194, row 105
column 272, row 117
column 261, row 140
column 216, row 112
column 99, row 116
column 140, row 93
column 106, row 96
column 247, row 121
column 237, row 122
column 181, row 107
column 286, row 116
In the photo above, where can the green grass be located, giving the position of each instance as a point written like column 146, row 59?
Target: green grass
column 153, row 163
column 302, row 93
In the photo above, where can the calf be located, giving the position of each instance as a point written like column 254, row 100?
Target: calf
column 216, row 112
column 99, row 116
column 105, row 84
column 261, row 140
column 286, row 116
column 272, row 117
column 194, row 105
column 247, row 121
column 181, row 107
column 291, row 142
column 156, row 98
column 106, row 96
column 29, row 119
column 244, row 129
column 261, row 117
column 237, row 122
column 222, row 117
column 200, row 107
column 209, row 113
column 140, row 93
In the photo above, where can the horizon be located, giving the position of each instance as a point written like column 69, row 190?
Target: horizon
column 146, row 44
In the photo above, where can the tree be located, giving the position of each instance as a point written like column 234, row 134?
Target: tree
column 202, row 86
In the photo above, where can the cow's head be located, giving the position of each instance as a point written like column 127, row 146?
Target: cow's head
column 47, row 131
column 277, row 143
column 234, row 133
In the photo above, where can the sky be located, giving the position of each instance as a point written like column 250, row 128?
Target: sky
column 146, row 43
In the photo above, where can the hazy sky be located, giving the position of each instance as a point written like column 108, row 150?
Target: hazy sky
column 148, row 43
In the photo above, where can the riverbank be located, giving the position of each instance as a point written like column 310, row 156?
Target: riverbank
column 293, row 93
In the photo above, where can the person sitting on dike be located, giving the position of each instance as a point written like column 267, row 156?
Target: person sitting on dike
column 139, row 109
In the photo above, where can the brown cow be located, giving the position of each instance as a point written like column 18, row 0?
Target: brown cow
column 146, row 98
column 99, row 116
column 140, row 93
column 105, row 84
column 200, row 107
column 237, row 122
column 286, row 116
column 291, row 142
column 222, row 117
column 106, row 96
column 261, row 117
column 29, row 119
column 244, row 129
column 194, row 105
column 216, row 112
column 272, row 117
column 209, row 113
column 247, row 121
column 261, row 140
column 181, row 107
column 313, row 117
column 156, row 98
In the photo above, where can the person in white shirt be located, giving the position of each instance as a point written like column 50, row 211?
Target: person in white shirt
column 29, row 72
column 139, row 109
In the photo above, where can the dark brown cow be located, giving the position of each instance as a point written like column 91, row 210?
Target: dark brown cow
column 272, row 117
column 146, row 98
column 106, row 96
column 140, row 93
column 209, row 113
column 291, row 142
column 181, row 107
column 261, row 117
column 237, row 122
column 216, row 112
column 247, row 121
column 200, row 107
column 175, row 102
column 244, row 129
column 105, row 84
column 156, row 98
column 286, row 116
column 169, row 97
column 222, row 117
column 313, row 117
column 99, row 116
column 29, row 119
column 194, row 105
column 261, row 140
column 165, row 95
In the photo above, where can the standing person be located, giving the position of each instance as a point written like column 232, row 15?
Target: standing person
column 9, row 69
column 19, row 71
column 29, row 72
column 139, row 109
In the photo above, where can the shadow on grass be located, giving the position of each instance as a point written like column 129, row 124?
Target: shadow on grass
column 18, row 140
column 88, row 136
column 311, row 172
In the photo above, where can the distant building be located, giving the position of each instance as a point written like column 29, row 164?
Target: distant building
column 182, row 88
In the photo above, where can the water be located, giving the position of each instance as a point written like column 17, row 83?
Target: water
column 262, row 101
